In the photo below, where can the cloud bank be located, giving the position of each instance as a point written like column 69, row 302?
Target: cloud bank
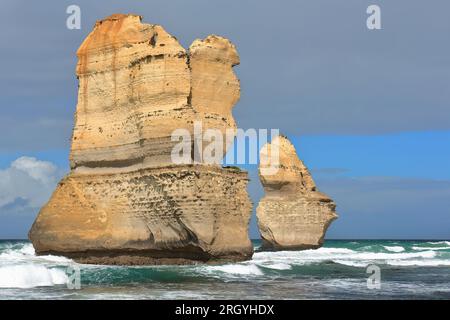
column 26, row 185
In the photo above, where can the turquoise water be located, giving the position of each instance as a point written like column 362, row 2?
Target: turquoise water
column 408, row 270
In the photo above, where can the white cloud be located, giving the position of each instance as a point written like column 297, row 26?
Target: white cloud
column 43, row 171
column 29, row 180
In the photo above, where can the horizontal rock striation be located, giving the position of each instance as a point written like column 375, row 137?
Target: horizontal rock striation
column 125, row 201
column 293, row 214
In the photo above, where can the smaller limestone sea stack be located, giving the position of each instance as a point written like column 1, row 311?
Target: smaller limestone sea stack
column 293, row 215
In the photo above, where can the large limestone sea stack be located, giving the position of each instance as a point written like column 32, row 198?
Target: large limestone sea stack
column 293, row 214
column 125, row 201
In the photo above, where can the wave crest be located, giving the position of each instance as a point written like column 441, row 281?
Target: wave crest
column 30, row 276
column 394, row 248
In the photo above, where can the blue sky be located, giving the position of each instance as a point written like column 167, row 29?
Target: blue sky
column 392, row 186
column 386, row 186
column 368, row 111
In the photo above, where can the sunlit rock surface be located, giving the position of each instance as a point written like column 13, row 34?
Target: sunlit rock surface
column 125, row 201
column 293, row 214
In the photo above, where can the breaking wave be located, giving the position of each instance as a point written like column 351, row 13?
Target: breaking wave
column 237, row 269
column 29, row 276
column 394, row 248
column 346, row 257
column 429, row 248
column 21, row 268
column 439, row 242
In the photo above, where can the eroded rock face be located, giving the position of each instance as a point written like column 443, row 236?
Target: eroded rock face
column 124, row 201
column 293, row 214
column 138, row 84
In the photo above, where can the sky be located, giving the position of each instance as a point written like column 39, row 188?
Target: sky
column 367, row 110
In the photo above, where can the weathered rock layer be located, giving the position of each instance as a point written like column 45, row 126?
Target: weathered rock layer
column 293, row 214
column 154, row 215
column 138, row 84
column 124, row 201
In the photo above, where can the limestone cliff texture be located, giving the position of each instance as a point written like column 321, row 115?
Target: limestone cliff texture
column 293, row 214
column 125, row 201
column 137, row 84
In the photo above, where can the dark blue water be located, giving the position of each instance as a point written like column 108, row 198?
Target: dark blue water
column 408, row 270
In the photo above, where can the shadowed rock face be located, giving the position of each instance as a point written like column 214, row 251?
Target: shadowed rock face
column 124, row 201
column 293, row 214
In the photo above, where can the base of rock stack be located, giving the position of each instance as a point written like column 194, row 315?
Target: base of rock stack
column 147, row 257
column 270, row 246
column 172, row 215
column 298, row 222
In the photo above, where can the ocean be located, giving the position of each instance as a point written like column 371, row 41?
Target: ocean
column 338, row 270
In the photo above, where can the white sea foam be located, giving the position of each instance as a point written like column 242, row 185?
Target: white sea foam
column 21, row 268
column 27, row 249
column 390, row 256
column 322, row 254
column 27, row 254
column 394, row 248
column 421, row 263
column 353, row 263
column 241, row 269
column 301, row 257
column 277, row 266
column 341, row 256
column 29, row 276
column 430, row 248
column 439, row 242
column 398, row 259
